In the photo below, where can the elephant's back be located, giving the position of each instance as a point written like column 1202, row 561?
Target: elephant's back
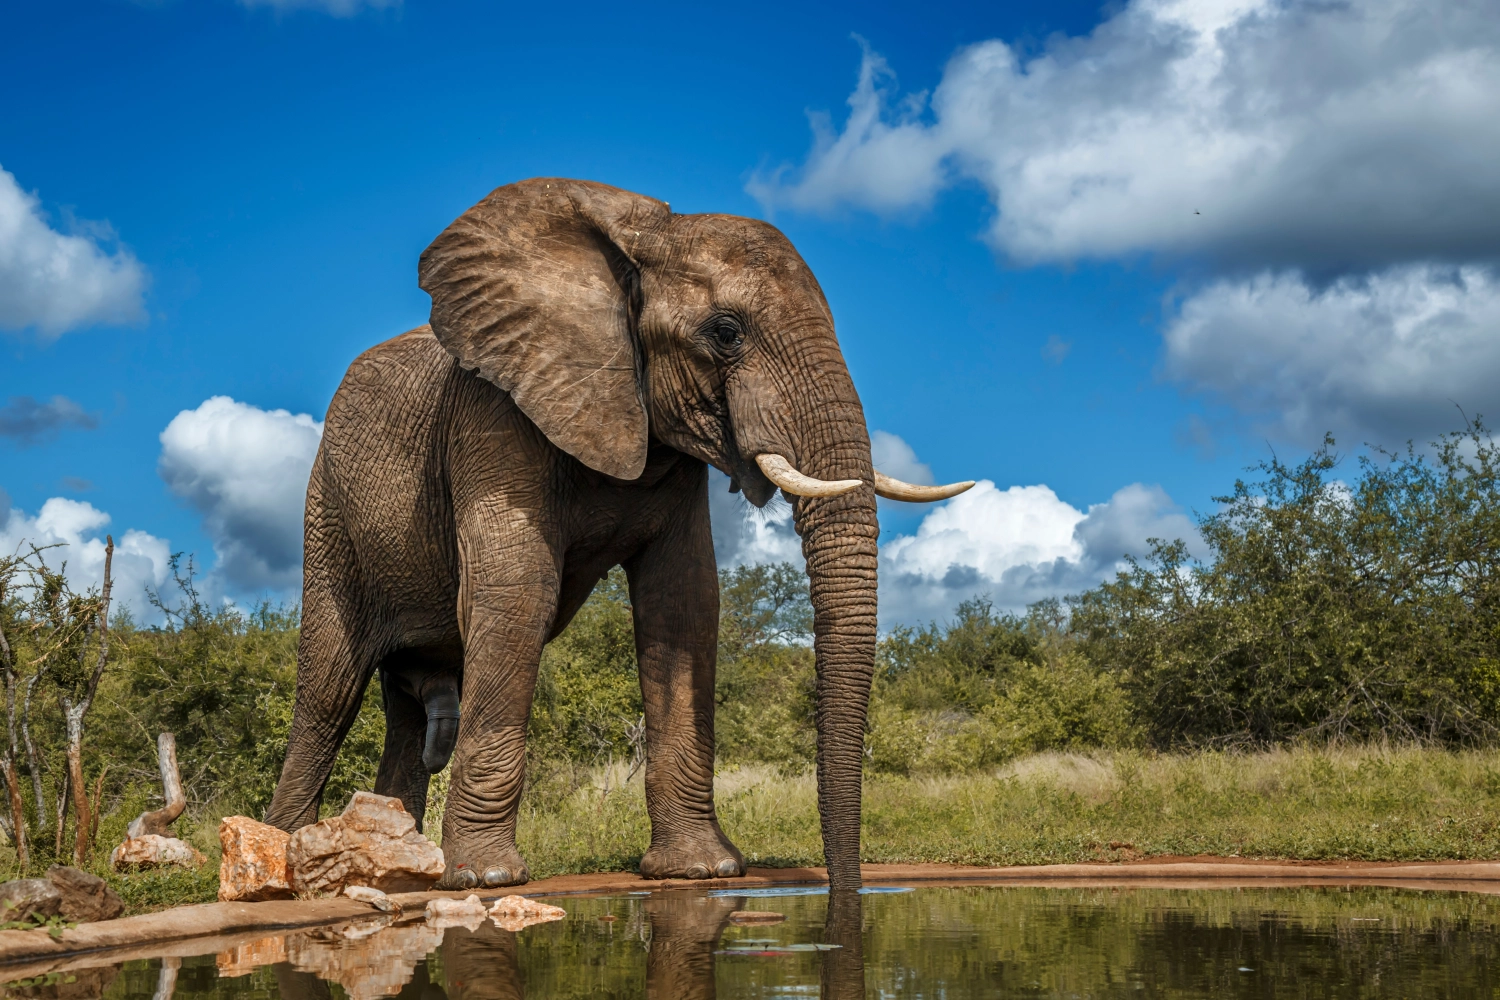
column 384, row 417
column 381, row 461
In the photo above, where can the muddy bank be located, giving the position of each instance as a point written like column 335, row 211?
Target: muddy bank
column 210, row 927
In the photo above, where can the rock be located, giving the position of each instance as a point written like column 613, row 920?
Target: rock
column 155, row 851
column 253, row 866
column 376, row 898
column 243, row 959
column 366, row 965
column 85, row 897
column 374, row 843
column 445, row 913
column 25, row 898
column 513, row 913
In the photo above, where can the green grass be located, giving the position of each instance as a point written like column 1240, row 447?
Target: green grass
column 1369, row 804
column 1366, row 804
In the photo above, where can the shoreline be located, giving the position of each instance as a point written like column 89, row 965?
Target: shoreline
column 202, row 928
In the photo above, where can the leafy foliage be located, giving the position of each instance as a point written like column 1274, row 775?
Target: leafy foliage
column 985, row 688
column 1323, row 610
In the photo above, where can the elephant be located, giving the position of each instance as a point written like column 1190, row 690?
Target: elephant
column 588, row 355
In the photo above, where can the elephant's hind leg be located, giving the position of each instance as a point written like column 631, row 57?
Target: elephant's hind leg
column 420, row 691
column 402, row 774
column 336, row 655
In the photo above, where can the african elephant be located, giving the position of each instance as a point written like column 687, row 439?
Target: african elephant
column 589, row 354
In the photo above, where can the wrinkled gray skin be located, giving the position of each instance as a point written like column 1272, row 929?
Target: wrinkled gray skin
column 589, row 351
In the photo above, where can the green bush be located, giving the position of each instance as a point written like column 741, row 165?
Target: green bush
column 1323, row 610
column 985, row 688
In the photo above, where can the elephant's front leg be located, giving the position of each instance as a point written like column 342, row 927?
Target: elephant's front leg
column 508, row 602
column 674, row 589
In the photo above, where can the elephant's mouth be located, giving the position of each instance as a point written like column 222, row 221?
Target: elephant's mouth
column 749, row 480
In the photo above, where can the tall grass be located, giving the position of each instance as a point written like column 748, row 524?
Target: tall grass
column 1363, row 803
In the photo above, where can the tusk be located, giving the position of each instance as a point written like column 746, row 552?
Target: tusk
column 779, row 471
column 895, row 489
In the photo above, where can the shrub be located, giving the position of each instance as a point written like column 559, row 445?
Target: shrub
column 1322, row 610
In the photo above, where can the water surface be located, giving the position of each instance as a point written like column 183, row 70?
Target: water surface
column 949, row 943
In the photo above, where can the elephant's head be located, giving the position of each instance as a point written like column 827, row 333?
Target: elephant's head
column 610, row 321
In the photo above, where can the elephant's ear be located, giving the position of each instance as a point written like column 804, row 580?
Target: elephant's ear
column 535, row 288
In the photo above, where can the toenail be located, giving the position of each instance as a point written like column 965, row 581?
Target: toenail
column 466, row 878
column 728, row 868
column 496, row 876
column 697, row 871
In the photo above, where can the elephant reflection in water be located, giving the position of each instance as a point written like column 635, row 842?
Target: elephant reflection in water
column 843, row 973
column 686, row 929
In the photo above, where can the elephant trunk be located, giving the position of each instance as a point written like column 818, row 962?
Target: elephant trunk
column 839, row 536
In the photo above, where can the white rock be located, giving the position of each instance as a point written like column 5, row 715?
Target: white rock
column 155, row 851
column 513, row 913
column 445, row 913
column 376, row 898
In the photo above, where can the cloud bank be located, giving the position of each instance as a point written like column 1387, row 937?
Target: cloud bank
column 244, row 470
column 1301, row 133
column 1388, row 354
column 55, row 282
column 1331, row 164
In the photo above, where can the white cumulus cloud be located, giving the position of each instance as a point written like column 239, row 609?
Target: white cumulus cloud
column 55, row 282
column 1382, row 357
column 1274, row 132
column 245, row 471
column 1016, row 546
column 894, row 457
column 745, row 536
column 77, row 530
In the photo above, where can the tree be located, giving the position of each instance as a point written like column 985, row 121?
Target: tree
column 1322, row 609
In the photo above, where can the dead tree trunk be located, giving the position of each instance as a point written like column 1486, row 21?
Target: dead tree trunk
column 39, row 800
column 8, row 761
column 159, row 820
column 73, row 713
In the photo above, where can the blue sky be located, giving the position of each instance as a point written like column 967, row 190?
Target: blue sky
column 1099, row 258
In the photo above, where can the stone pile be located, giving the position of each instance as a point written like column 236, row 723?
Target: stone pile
column 373, row 844
column 513, row 913
column 509, row 913
column 466, row 913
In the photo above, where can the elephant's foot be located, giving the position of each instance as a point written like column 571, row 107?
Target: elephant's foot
column 483, row 869
column 707, row 855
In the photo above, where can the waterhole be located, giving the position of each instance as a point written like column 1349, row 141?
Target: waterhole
column 948, row 943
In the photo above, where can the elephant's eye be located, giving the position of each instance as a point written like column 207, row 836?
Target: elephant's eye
column 726, row 331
